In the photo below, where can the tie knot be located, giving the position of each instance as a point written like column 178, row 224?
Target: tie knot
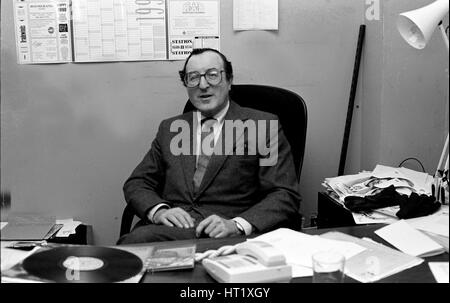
column 207, row 123
column 210, row 119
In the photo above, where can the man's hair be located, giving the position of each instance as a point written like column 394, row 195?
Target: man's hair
column 197, row 51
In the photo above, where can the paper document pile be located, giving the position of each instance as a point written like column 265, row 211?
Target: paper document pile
column 36, row 227
column 366, row 261
column 28, row 227
column 376, row 262
column 405, row 181
column 68, row 228
column 363, row 184
column 298, row 248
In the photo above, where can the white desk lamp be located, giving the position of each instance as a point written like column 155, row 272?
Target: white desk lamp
column 416, row 27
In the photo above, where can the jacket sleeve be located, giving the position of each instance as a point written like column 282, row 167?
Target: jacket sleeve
column 279, row 197
column 142, row 188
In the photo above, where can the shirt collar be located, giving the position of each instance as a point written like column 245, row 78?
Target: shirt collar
column 219, row 116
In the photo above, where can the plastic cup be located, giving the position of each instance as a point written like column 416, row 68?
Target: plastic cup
column 328, row 267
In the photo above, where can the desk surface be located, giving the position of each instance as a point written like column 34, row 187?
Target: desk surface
column 417, row 274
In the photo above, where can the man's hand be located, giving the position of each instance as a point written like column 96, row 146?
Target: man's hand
column 174, row 217
column 217, row 227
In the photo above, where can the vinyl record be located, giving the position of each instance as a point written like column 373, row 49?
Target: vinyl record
column 83, row 264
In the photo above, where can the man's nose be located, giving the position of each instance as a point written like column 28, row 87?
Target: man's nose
column 203, row 83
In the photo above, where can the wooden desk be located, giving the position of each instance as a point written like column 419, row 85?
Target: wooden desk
column 417, row 274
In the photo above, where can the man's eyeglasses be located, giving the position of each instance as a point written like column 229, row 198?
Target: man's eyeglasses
column 213, row 76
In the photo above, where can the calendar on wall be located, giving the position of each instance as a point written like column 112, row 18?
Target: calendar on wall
column 58, row 31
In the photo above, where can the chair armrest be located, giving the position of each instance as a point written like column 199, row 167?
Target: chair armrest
column 127, row 220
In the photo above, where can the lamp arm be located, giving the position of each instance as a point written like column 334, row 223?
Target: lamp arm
column 441, row 160
column 444, row 35
column 445, row 149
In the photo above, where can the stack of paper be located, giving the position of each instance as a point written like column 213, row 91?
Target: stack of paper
column 376, row 262
column 364, row 184
column 409, row 240
column 27, row 226
column 68, row 228
column 348, row 185
column 298, row 248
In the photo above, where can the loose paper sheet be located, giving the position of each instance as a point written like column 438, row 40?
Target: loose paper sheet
column 11, row 256
column 255, row 15
column 437, row 223
column 440, row 271
column 409, row 240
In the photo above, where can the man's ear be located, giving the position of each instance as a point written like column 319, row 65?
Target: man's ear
column 231, row 82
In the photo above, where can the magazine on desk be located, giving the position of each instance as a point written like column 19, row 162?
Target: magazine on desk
column 170, row 257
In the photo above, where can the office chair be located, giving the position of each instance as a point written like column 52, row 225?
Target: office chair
column 292, row 113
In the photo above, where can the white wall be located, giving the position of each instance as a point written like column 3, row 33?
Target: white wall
column 405, row 106
column 72, row 133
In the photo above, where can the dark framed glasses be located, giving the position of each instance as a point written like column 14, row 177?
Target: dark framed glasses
column 213, row 76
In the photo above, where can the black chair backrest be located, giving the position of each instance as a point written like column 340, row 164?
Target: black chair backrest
column 287, row 105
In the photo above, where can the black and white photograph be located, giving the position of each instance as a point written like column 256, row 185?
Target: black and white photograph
column 224, row 150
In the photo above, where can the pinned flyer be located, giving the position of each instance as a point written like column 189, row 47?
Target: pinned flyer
column 192, row 24
column 42, row 29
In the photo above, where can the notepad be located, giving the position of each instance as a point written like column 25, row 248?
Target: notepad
column 409, row 240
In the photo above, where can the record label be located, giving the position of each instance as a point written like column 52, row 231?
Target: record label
column 83, row 264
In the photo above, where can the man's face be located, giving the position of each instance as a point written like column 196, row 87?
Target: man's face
column 208, row 99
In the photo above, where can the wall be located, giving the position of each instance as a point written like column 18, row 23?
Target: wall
column 72, row 133
column 405, row 94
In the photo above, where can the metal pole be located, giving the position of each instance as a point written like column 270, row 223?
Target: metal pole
column 351, row 102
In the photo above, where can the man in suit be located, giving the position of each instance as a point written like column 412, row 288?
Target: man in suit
column 216, row 177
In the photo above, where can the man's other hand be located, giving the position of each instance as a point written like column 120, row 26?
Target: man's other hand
column 217, row 227
column 174, row 217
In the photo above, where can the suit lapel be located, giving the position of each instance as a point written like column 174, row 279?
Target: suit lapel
column 221, row 150
column 188, row 161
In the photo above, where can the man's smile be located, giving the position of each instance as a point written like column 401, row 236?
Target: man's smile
column 205, row 97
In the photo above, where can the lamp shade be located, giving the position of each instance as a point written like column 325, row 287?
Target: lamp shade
column 417, row 26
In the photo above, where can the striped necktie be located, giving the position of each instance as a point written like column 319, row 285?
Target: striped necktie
column 205, row 151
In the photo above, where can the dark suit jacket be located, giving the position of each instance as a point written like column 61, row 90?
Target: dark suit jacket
column 233, row 185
